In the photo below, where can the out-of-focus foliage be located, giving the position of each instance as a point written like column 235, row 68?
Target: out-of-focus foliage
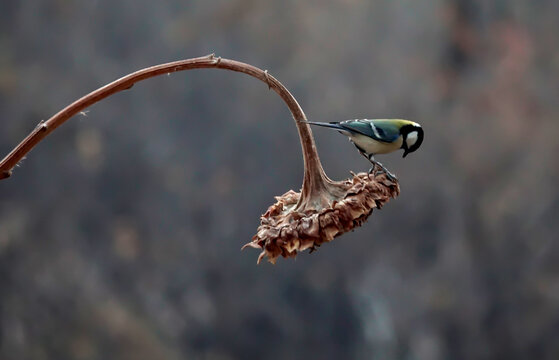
column 120, row 234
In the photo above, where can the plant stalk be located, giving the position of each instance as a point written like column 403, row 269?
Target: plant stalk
column 315, row 180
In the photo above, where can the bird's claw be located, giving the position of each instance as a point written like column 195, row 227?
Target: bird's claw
column 388, row 174
column 371, row 171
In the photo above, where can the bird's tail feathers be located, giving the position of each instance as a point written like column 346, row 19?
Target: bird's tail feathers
column 328, row 125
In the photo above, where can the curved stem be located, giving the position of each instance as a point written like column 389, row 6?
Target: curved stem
column 314, row 178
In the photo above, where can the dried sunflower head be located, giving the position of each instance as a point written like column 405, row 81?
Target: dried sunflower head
column 293, row 224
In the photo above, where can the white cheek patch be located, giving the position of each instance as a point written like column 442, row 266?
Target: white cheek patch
column 411, row 139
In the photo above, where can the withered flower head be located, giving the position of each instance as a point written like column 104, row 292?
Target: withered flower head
column 295, row 224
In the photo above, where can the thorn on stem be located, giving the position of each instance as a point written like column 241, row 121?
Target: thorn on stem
column 267, row 76
column 42, row 126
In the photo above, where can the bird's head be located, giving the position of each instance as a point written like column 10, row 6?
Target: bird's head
column 412, row 134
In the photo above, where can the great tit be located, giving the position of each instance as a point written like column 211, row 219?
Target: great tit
column 379, row 136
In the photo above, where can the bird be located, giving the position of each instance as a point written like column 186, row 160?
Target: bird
column 379, row 136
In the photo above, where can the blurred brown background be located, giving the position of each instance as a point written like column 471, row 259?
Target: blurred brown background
column 120, row 234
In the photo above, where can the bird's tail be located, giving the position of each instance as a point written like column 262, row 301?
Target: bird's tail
column 328, row 125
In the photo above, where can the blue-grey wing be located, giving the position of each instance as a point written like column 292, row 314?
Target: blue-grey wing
column 380, row 130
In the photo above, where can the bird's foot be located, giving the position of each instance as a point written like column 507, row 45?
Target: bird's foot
column 371, row 170
column 383, row 169
column 389, row 175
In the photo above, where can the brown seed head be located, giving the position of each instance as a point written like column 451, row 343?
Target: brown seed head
column 286, row 228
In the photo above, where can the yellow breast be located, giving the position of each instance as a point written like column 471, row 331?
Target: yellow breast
column 372, row 146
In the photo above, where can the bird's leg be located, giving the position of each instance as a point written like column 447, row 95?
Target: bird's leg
column 384, row 169
column 372, row 169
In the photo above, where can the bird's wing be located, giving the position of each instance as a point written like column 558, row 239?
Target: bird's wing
column 387, row 133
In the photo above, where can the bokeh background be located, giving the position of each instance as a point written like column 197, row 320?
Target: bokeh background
column 120, row 234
